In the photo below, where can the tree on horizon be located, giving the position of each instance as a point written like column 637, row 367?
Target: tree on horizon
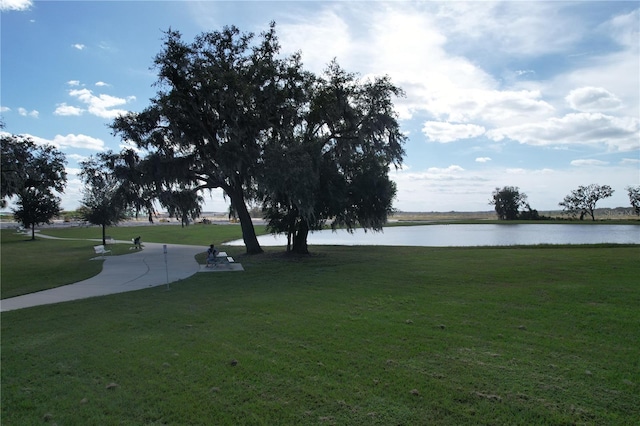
column 583, row 200
column 508, row 201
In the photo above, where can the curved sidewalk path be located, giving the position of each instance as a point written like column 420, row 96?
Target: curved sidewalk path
column 135, row 271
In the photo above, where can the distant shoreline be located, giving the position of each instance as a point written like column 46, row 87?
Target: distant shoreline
column 222, row 218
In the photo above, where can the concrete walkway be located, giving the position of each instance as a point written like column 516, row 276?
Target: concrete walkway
column 135, row 271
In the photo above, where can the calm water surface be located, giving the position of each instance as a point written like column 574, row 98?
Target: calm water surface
column 471, row 235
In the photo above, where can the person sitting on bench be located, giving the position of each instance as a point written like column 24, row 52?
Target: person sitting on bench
column 212, row 253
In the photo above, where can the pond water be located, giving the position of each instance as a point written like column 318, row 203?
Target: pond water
column 469, row 235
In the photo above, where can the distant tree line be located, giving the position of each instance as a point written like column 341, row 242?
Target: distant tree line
column 510, row 203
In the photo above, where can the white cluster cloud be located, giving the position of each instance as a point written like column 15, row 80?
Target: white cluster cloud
column 593, row 99
column 79, row 141
column 78, row 46
column 619, row 134
column 26, row 113
column 413, row 44
column 67, row 110
column 445, row 132
column 6, row 5
column 101, row 105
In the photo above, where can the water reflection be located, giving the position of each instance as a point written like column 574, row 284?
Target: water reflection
column 471, row 235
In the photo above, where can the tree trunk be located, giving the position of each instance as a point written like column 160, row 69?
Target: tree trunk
column 104, row 234
column 33, row 231
column 300, row 239
column 248, row 232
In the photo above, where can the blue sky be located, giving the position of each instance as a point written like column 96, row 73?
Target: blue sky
column 540, row 95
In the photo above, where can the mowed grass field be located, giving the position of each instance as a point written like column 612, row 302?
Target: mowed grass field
column 347, row 335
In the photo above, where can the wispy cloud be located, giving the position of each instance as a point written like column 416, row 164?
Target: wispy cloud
column 626, row 161
column 623, row 28
column 589, row 162
column 78, row 46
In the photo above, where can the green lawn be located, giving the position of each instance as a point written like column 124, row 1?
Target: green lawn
column 46, row 263
column 348, row 335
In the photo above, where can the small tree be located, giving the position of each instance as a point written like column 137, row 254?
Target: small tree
column 104, row 200
column 36, row 206
column 27, row 166
column 634, row 198
column 583, row 200
column 508, row 201
column 31, row 172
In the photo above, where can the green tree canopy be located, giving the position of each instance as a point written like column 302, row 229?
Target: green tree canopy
column 508, row 201
column 219, row 97
column 333, row 163
column 583, row 200
column 104, row 201
column 26, row 165
column 31, row 173
column 634, row 198
column 36, row 206
column 234, row 114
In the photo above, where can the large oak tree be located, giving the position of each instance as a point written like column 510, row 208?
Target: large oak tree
column 234, row 114
column 219, row 97
column 333, row 162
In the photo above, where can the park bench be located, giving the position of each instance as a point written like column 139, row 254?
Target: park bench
column 101, row 250
column 222, row 255
column 222, row 258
